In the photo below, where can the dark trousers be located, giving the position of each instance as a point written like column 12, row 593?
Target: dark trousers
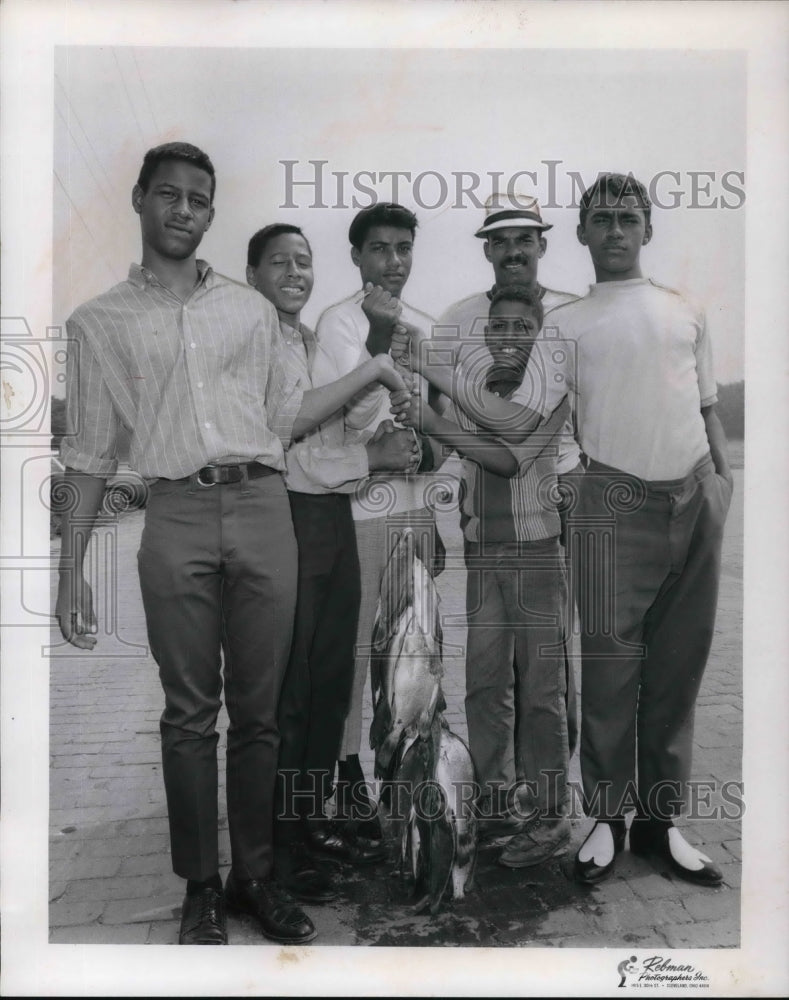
column 317, row 688
column 646, row 561
column 218, row 576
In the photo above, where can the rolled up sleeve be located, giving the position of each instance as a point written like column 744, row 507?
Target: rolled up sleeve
column 284, row 392
column 90, row 445
column 335, row 468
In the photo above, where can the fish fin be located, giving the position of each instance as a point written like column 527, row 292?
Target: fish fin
column 442, row 852
column 381, row 724
column 436, row 665
column 380, row 632
column 376, row 677
column 428, row 714
column 385, row 754
column 466, row 858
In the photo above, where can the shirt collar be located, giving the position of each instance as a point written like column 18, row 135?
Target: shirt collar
column 300, row 335
column 142, row 277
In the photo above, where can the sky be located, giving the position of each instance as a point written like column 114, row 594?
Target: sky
column 675, row 119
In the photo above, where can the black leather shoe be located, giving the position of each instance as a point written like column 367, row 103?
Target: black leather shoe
column 341, row 845
column 280, row 918
column 356, row 809
column 305, row 878
column 589, row 872
column 371, row 828
column 648, row 838
column 203, row 918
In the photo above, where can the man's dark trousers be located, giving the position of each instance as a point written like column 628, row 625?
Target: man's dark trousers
column 646, row 561
column 317, row 687
column 218, row 572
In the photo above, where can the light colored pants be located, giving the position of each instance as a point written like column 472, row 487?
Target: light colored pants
column 515, row 672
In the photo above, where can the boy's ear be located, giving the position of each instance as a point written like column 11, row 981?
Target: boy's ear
column 136, row 198
column 251, row 276
column 355, row 256
column 579, row 232
column 647, row 235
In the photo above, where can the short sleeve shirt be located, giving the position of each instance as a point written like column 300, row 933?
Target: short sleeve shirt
column 637, row 359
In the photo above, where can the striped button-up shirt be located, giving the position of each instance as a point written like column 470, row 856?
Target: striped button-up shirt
column 323, row 461
column 195, row 381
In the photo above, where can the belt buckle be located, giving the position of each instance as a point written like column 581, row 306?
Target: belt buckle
column 200, row 482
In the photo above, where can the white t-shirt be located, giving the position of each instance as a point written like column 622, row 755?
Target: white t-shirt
column 637, row 359
column 469, row 317
column 342, row 333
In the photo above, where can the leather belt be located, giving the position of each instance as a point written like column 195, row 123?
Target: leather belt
column 220, row 475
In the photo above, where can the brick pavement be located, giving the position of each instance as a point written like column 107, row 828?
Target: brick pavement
column 110, row 875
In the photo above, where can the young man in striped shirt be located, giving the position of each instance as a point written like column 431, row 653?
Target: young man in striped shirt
column 323, row 470
column 189, row 361
column 515, row 600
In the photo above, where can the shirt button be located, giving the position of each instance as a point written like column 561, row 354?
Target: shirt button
column 207, row 424
column 193, row 345
column 199, row 385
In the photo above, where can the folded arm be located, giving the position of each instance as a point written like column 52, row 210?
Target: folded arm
column 489, row 452
column 512, row 422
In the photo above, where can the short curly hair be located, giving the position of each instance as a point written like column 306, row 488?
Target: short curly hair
column 264, row 236
column 183, row 151
column 519, row 293
column 383, row 213
column 610, row 188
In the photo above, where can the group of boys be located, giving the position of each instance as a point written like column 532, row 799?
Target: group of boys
column 278, row 484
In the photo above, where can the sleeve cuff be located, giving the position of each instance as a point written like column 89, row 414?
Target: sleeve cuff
column 89, row 464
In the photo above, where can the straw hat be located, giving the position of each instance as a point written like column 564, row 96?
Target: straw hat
column 505, row 211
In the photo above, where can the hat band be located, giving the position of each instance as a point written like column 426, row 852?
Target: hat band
column 520, row 213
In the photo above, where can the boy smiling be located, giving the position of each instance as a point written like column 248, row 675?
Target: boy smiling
column 515, row 599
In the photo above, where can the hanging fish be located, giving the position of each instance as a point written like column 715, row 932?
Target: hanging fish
column 405, row 665
column 435, row 824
